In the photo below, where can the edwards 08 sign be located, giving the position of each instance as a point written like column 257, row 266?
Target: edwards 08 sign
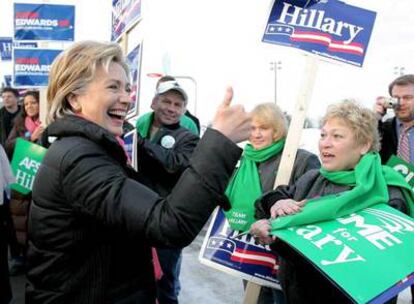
column 32, row 66
column 44, row 22
column 328, row 28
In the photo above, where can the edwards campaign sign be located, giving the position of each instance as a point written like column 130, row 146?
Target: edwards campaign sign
column 374, row 245
column 328, row 28
column 125, row 13
column 44, row 22
column 32, row 66
column 237, row 255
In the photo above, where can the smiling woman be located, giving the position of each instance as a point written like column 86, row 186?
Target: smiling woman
column 351, row 166
column 92, row 220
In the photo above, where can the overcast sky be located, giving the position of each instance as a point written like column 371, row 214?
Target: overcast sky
column 219, row 43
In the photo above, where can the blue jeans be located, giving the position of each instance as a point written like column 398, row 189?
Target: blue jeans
column 169, row 287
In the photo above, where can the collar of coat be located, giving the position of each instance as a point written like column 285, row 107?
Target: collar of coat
column 71, row 125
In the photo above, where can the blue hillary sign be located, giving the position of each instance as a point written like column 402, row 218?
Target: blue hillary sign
column 7, row 45
column 8, row 80
column 237, row 255
column 6, row 48
column 31, row 66
column 44, row 22
column 328, row 28
column 125, row 13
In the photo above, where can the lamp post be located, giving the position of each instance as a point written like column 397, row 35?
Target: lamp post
column 399, row 70
column 274, row 66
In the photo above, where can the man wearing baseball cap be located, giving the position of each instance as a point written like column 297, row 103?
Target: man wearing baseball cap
column 164, row 150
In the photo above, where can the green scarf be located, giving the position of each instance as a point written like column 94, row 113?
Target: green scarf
column 143, row 124
column 369, row 181
column 244, row 187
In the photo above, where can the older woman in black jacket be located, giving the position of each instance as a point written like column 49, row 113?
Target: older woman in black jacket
column 348, row 150
column 92, row 221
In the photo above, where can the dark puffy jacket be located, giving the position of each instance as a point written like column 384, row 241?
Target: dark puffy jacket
column 165, row 157
column 92, row 223
column 301, row 281
column 389, row 138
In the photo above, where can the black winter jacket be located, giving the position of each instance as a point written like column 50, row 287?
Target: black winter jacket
column 92, row 223
column 301, row 282
column 389, row 138
column 165, row 157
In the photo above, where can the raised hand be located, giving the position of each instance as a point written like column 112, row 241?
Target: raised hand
column 233, row 121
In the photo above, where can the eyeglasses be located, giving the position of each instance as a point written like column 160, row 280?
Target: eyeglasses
column 404, row 98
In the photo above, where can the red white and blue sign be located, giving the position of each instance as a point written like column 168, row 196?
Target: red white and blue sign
column 240, row 256
column 32, row 66
column 44, row 22
column 7, row 45
column 130, row 144
column 125, row 13
column 134, row 63
column 328, row 28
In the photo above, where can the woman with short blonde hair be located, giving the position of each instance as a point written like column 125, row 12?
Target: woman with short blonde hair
column 350, row 167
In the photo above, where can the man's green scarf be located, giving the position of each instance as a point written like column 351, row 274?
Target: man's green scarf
column 143, row 124
column 369, row 181
column 244, row 187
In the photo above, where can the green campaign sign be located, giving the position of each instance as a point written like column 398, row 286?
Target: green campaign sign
column 405, row 168
column 374, row 245
column 26, row 160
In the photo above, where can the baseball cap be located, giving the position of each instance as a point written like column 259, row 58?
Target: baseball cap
column 166, row 86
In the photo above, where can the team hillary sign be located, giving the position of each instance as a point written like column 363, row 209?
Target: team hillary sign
column 328, row 28
column 237, row 254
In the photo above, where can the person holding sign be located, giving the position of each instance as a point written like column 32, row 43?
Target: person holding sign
column 27, row 126
column 397, row 133
column 351, row 167
column 257, row 173
column 92, row 221
column 27, row 123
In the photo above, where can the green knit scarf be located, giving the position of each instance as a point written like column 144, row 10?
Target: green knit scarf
column 244, row 187
column 143, row 124
column 369, row 181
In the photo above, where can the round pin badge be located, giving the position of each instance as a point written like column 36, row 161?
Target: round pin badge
column 167, row 141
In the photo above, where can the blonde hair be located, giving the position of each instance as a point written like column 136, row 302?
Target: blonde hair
column 271, row 115
column 74, row 69
column 361, row 120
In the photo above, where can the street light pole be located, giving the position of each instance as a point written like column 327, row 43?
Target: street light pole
column 274, row 66
column 399, row 70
